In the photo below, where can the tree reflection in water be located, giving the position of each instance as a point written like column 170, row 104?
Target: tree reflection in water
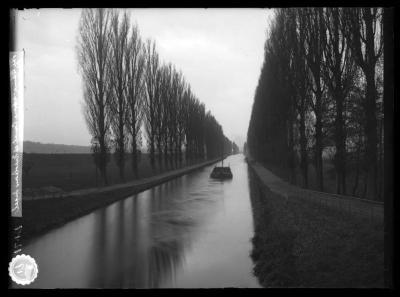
column 151, row 250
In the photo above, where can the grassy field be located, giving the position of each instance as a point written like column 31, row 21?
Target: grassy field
column 69, row 172
column 297, row 244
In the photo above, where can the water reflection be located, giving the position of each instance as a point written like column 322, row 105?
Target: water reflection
column 257, row 195
column 189, row 232
column 140, row 241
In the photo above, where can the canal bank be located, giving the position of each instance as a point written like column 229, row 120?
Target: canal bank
column 41, row 215
column 299, row 243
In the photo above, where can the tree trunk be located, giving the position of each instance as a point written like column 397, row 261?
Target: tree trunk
column 103, row 162
column 291, row 154
column 357, row 177
column 340, row 141
column 121, row 152
column 134, row 157
column 371, row 133
column 188, row 153
column 159, row 151
column 318, row 143
column 303, row 149
column 166, row 154
column 102, row 169
column 103, row 150
column 179, row 149
column 364, row 193
column 152, row 150
column 381, row 163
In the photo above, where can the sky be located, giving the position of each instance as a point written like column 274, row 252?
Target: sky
column 219, row 51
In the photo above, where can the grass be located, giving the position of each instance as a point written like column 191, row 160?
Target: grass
column 297, row 244
column 69, row 172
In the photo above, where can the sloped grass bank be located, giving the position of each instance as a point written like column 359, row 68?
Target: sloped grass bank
column 299, row 244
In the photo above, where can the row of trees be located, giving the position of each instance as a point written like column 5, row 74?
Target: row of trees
column 128, row 89
column 320, row 91
column 235, row 148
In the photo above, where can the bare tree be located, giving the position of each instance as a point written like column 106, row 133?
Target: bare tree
column 118, row 79
column 151, row 73
column 365, row 35
column 321, row 86
column 159, row 111
column 93, row 52
column 164, row 110
column 339, row 73
column 173, row 113
column 189, row 134
column 283, row 36
column 301, row 80
column 135, row 92
column 181, row 114
column 315, row 42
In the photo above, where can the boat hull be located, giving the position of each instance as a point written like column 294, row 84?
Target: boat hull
column 221, row 173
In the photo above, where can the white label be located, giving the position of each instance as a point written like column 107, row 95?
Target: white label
column 17, row 129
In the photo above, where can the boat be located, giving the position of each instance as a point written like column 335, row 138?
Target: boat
column 221, row 172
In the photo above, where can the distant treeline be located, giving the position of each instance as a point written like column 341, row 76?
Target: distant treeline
column 127, row 88
column 320, row 93
column 53, row 148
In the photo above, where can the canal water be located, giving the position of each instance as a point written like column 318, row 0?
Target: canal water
column 191, row 232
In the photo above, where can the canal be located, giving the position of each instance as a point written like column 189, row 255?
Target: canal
column 191, row 232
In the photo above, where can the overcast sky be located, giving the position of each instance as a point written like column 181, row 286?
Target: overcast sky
column 220, row 52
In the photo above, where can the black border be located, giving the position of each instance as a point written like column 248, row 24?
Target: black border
column 391, row 204
column 198, row 4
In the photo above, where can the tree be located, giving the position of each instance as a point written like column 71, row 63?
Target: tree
column 339, row 73
column 94, row 57
column 163, row 110
column 315, row 40
column 125, row 85
column 301, row 79
column 135, row 91
column 151, row 86
column 181, row 114
column 118, row 80
column 365, row 35
column 235, row 148
column 313, row 91
column 173, row 104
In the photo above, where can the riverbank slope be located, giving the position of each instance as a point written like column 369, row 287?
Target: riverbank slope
column 298, row 243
